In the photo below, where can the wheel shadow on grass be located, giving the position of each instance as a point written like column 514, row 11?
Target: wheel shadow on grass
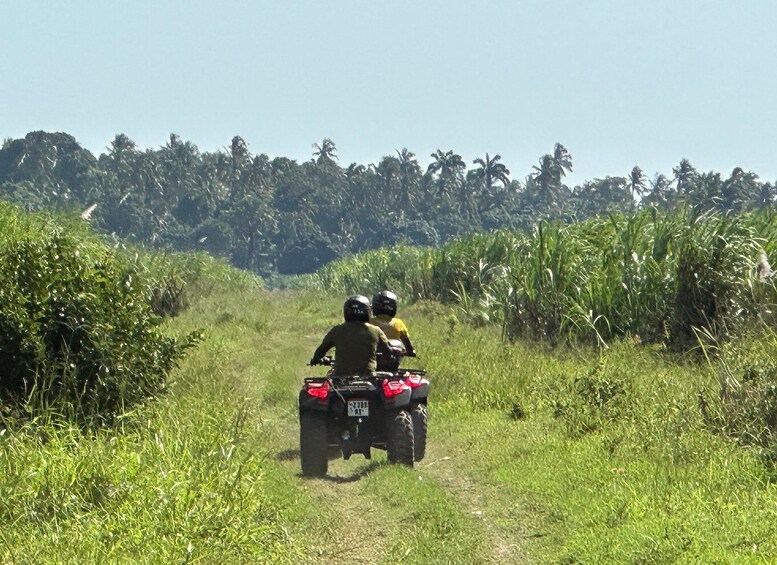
column 357, row 475
column 287, row 455
column 292, row 454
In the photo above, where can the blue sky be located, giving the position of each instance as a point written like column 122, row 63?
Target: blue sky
column 619, row 83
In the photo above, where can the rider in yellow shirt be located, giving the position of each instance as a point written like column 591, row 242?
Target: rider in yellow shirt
column 384, row 308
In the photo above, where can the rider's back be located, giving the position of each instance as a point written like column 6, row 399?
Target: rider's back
column 355, row 344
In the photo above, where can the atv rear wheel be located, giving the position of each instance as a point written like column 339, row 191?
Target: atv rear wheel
column 313, row 446
column 400, row 439
column 419, row 417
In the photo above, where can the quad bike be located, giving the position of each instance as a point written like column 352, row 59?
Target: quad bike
column 419, row 387
column 353, row 414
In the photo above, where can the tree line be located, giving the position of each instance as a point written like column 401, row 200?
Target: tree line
column 277, row 215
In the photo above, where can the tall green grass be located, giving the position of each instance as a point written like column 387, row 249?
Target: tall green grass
column 662, row 277
column 628, row 455
column 188, row 478
column 571, row 455
column 621, row 454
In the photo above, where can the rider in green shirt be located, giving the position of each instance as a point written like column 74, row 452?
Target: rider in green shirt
column 355, row 340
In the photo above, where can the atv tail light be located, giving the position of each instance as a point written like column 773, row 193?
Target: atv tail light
column 412, row 380
column 393, row 387
column 318, row 390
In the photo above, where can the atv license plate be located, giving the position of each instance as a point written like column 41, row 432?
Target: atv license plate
column 358, row 408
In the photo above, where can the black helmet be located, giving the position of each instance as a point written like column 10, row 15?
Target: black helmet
column 384, row 302
column 357, row 309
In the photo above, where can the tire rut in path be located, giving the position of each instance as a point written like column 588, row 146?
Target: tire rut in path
column 356, row 533
column 504, row 534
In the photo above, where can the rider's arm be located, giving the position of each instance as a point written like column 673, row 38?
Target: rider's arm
column 409, row 349
column 404, row 337
column 327, row 344
column 383, row 343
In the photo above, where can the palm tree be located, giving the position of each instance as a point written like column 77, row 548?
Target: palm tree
column 546, row 183
column 685, row 175
column 707, row 192
column 122, row 192
column 409, row 175
column 252, row 216
column 388, row 172
column 658, row 195
column 240, row 156
column 326, row 150
column 636, row 182
column 121, row 158
column 547, row 177
column 491, row 170
column 448, row 166
column 121, row 145
column 355, row 170
column 178, row 162
column 740, row 189
column 562, row 161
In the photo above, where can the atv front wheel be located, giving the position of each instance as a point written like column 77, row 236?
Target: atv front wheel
column 400, row 439
column 313, row 446
column 419, row 417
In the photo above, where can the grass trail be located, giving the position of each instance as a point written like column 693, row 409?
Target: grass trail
column 533, row 457
column 370, row 512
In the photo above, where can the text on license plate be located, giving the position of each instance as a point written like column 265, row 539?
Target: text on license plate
column 358, row 408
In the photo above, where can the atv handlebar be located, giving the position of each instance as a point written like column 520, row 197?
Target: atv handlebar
column 325, row 360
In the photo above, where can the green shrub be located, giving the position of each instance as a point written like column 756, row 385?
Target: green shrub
column 76, row 332
column 590, row 399
column 167, row 296
column 746, row 408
